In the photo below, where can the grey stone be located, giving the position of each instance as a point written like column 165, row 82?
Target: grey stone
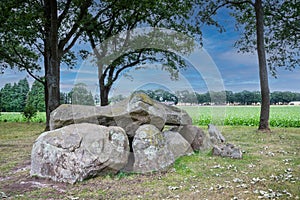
column 195, row 136
column 215, row 135
column 129, row 114
column 228, row 150
column 176, row 116
column 150, row 149
column 79, row 151
column 177, row 144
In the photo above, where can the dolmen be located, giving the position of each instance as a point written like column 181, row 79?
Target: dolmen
column 137, row 134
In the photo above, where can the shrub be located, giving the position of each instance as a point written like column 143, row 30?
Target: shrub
column 29, row 112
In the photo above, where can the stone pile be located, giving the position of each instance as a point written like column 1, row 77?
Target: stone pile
column 137, row 134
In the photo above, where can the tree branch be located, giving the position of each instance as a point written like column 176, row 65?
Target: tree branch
column 39, row 49
column 240, row 2
column 64, row 13
column 72, row 43
column 25, row 66
column 35, row 77
column 129, row 65
column 74, row 29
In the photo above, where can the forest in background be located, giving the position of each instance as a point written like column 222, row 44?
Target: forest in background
column 15, row 97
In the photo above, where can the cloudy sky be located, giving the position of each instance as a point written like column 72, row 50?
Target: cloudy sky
column 217, row 66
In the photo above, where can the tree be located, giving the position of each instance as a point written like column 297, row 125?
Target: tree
column 186, row 96
column 47, row 30
column 81, row 96
column 13, row 97
column 271, row 28
column 123, row 17
column 36, row 97
column 29, row 112
column 6, row 97
column 21, row 92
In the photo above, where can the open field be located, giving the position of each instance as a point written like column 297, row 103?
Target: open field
column 270, row 169
column 280, row 116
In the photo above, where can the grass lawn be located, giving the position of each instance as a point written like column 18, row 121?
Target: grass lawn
column 269, row 169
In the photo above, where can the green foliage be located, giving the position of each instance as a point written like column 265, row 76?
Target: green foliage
column 13, row 97
column 116, row 52
column 81, row 96
column 281, row 31
column 29, row 112
column 243, row 98
column 36, row 96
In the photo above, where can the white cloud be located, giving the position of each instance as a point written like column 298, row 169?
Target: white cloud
column 236, row 58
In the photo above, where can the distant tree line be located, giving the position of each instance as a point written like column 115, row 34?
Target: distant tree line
column 13, row 96
column 17, row 96
column 243, row 98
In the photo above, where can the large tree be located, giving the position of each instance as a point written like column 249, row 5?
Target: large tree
column 113, row 35
column 36, row 32
column 270, row 28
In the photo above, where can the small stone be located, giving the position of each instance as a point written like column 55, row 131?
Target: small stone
column 228, row 150
column 3, row 195
column 173, row 187
column 237, row 180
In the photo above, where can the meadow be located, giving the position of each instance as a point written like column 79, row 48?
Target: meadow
column 269, row 169
column 18, row 117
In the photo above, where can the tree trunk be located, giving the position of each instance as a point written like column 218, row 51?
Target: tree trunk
column 104, row 90
column 263, row 71
column 51, row 60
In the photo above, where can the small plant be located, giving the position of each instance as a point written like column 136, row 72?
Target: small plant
column 29, row 112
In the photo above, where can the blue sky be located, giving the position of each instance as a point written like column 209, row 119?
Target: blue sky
column 236, row 71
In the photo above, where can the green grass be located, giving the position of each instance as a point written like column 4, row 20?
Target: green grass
column 18, row 117
column 271, row 162
column 280, row 116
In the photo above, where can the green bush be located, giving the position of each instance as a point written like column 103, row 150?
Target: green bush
column 29, row 112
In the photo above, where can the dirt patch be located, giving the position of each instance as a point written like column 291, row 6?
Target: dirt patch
column 18, row 181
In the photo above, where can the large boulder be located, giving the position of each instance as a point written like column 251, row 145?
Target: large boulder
column 78, row 151
column 195, row 136
column 177, row 145
column 150, row 149
column 129, row 114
